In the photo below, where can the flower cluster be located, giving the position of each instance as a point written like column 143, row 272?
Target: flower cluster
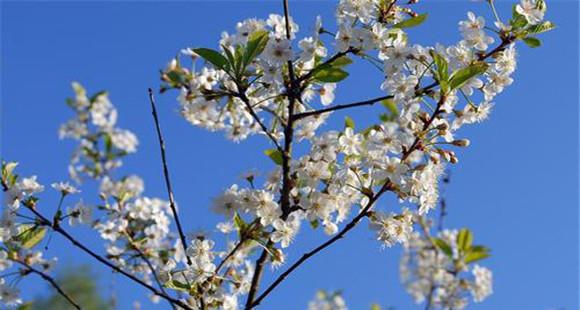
column 265, row 79
column 441, row 271
column 136, row 227
column 100, row 143
column 18, row 235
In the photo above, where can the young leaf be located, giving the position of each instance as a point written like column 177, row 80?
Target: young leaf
column 256, row 45
column 391, row 106
column 442, row 73
column 475, row 256
column 341, row 62
column 239, row 223
column 330, row 75
column 176, row 285
column 543, row 27
column 464, row 239
column 461, row 76
column 412, row 22
column 30, row 235
column 275, row 155
column 348, row 122
column 532, row 42
column 213, row 57
column 443, row 246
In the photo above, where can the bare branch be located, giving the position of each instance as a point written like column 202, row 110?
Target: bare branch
column 166, row 174
column 58, row 229
column 50, row 280
column 154, row 272
column 341, row 107
column 254, row 286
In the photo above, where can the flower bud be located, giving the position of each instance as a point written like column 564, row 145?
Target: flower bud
column 461, row 143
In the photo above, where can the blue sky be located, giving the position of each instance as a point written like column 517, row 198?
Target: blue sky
column 516, row 187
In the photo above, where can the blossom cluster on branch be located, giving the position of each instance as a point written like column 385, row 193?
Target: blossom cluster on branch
column 264, row 79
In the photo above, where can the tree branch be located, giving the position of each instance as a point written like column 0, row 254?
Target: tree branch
column 341, row 107
column 293, row 92
column 154, row 272
column 50, row 280
column 44, row 221
column 260, row 263
column 250, row 109
column 307, row 255
column 166, row 175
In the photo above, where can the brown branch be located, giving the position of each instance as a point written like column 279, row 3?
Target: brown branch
column 250, row 109
column 50, row 280
column 420, row 91
column 243, row 238
column 166, row 175
column 44, row 221
column 254, row 286
column 307, row 255
column 341, row 107
column 293, row 92
column 261, row 260
column 155, row 277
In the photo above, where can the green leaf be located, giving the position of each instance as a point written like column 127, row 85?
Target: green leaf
column 330, row 75
column 176, row 285
column 239, row 222
column 443, row 246
column 176, row 78
column 30, row 235
column 475, row 256
column 275, row 155
column 375, row 307
column 464, row 239
column 442, row 73
column 256, row 45
column 341, row 62
column 213, row 57
column 461, row 76
column 348, row 122
column 532, row 42
column 543, row 27
column 412, row 22
column 391, row 106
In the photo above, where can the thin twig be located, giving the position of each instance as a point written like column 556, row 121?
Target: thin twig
column 256, row 118
column 166, row 175
column 58, row 229
column 153, row 271
column 50, row 280
column 341, row 107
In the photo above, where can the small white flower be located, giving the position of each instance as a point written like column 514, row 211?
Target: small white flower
column 65, row 188
column 326, row 92
column 530, row 11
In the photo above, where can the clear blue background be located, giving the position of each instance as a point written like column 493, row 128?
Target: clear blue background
column 516, row 186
